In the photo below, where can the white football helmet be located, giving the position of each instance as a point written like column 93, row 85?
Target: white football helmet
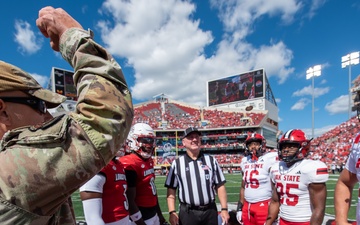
column 142, row 140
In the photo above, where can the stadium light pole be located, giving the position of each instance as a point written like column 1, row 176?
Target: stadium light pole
column 312, row 72
column 348, row 60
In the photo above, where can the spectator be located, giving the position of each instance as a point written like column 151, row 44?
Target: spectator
column 46, row 162
column 333, row 167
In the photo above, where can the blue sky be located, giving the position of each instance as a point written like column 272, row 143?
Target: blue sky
column 174, row 47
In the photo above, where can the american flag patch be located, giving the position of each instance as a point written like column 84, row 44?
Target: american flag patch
column 321, row 171
column 205, row 167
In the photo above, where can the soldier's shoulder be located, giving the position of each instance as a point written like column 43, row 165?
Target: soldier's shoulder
column 53, row 130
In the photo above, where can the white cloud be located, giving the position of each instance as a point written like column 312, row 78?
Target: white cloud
column 242, row 14
column 338, row 105
column 278, row 100
column 323, row 81
column 42, row 80
column 315, row 5
column 300, row 105
column 308, row 91
column 164, row 44
column 318, row 131
column 25, row 38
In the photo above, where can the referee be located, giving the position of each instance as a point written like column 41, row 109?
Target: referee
column 197, row 176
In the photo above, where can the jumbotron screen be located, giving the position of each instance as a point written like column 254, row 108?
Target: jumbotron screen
column 64, row 83
column 236, row 88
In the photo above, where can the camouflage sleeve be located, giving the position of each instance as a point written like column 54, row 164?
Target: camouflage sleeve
column 104, row 108
column 43, row 165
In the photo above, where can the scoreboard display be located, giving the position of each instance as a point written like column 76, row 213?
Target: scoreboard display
column 249, row 85
column 63, row 83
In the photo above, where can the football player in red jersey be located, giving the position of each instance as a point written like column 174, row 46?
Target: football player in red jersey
column 104, row 196
column 255, row 190
column 298, row 184
column 351, row 173
column 139, row 169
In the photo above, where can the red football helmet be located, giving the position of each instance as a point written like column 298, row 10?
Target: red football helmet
column 298, row 137
column 255, row 137
column 142, row 140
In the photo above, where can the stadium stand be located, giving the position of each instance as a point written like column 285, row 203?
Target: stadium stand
column 333, row 146
column 224, row 132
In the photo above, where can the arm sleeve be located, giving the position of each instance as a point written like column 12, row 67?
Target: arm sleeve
column 219, row 176
column 171, row 180
column 95, row 184
column 104, row 106
column 71, row 149
column 93, row 211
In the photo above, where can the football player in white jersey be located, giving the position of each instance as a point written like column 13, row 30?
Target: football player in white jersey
column 351, row 174
column 255, row 190
column 299, row 184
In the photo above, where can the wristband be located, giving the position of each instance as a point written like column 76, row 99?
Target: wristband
column 239, row 206
column 171, row 212
column 224, row 209
column 136, row 216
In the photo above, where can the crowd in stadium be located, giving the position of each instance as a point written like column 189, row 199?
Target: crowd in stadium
column 331, row 148
column 179, row 117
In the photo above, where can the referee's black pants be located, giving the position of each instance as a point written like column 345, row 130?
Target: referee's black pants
column 190, row 216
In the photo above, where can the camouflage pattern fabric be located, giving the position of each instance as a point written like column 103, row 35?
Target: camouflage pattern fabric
column 13, row 78
column 41, row 166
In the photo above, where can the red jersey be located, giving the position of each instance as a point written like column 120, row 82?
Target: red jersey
column 145, row 179
column 114, row 201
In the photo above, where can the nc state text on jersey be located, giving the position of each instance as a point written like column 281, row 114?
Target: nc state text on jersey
column 260, row 165
column 295, row 178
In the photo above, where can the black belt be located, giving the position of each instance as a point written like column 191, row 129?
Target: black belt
column 198, row 207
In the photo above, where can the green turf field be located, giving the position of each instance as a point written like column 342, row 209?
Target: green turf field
column 232, row 187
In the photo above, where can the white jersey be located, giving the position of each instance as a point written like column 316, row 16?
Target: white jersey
column 292, row 186
column 353, row 165
column 256, row 177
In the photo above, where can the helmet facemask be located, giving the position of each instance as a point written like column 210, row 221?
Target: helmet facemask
column 146, row 146
column 294, row 139
column 142, row 140
column 261, row 149
column 256, row 153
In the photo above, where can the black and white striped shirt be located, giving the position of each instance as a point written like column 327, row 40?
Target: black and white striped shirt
column 196, row 179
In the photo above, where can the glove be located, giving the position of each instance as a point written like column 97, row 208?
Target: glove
column 238, row 216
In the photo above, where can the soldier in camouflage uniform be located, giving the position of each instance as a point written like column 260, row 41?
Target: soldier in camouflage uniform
column 43, row 161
